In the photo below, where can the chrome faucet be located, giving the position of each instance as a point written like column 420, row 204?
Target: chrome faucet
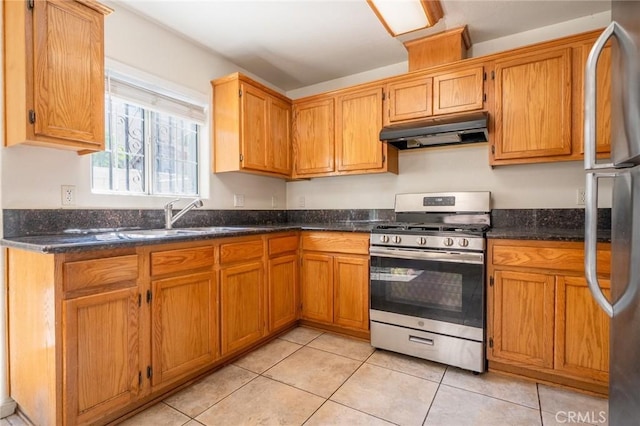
column 169, row 218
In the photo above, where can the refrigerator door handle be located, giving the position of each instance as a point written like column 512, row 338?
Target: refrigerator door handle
column 591, row 239
column 627, row 48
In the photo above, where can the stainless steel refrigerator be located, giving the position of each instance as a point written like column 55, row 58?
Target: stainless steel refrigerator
column 624, row 168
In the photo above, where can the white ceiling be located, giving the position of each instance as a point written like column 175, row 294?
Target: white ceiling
column 297, row 43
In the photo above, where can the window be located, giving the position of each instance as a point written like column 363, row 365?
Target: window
column 151, row 142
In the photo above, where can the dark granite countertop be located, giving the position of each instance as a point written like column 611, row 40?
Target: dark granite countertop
column 549, row 234
column 76, row 242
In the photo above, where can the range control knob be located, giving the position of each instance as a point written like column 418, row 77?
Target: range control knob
column 463, row 242
column 448, row 242
column 397, row 239
column 421, row 241
column 384, row 238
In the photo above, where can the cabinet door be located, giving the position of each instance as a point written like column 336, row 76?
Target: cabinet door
column 279, row 148
column 458, row 91
column 184, row 322
column 358, row 123
column 242, row 305
column 523, row 306
column 317, row 287
column 603, row 102
column 283, row 297
column 100, row 354
column 582, row 330
column 407, row 100
column 314, row 137
column 533, row 106
column 351, row 292
column 254, row 127
column 68, row 86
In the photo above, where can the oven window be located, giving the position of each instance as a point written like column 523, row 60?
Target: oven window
column 444, row 291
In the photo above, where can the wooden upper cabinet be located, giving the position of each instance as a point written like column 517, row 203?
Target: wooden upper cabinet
column 582, row 330
column 603, row 100
column 458, row 91
column 251, row 128
column 54, row 74
column 358, row 124
column 314, row 137
column 533, row 105
column 409, row 99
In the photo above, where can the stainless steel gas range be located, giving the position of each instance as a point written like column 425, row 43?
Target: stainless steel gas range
column 427, row 278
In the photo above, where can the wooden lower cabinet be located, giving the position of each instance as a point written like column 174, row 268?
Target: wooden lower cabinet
column 542, row 320
column 101, row 354
column 335, row 279
column 283, row 291
column 184, row 323
column 242, row 305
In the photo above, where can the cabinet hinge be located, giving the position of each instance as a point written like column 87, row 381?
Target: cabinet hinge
column 491, row 281
column 384, row 96
column 241, row 157
column 149, row 296
column 484, row 97
column 384, row 158
column 32, row 116
column 31, row 4
column 484, row 76
column 239, row 93
column 149, row 372
column 139, row 299
column 493, row 149
column 491, row 342
column 493, row 75
column 139, row 378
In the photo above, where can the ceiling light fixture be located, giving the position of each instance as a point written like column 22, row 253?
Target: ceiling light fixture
column 404, row 16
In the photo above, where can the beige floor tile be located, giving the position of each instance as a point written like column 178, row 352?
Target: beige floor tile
column 263, row 402
column 203, row 394
column 453, row 406
column 267, row 356
column 408, row 364
column 315, row 371
column 490, row 384
column 13, row 420
column 345, row 346
column 554, row 400
column 301, row 335
column 559, row 419
column 158, row 415
column 387, row 394
column 193, row 423
column 333, row 414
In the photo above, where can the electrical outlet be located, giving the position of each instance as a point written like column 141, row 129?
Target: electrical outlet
column 238, row 200
column 580, row 196
column 301, row 201
column 68, row 194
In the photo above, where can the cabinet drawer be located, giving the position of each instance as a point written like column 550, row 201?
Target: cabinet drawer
column 164, row 262
column 336, row 242
column 286, row 244
column 559, row 258
column 245, row 250
column 84, row 274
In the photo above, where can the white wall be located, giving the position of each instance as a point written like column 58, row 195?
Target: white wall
column 458, row 168
column 32, row 176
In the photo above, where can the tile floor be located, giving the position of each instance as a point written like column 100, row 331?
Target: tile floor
column 314, row 378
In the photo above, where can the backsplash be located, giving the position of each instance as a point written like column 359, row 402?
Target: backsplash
column 546, row 218
column 23, row 222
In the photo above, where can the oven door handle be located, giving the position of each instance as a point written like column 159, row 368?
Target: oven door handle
column 438, row 256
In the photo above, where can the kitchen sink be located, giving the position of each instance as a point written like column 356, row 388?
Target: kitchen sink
column 182, row 232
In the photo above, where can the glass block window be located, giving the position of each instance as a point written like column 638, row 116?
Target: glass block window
column 152, row 142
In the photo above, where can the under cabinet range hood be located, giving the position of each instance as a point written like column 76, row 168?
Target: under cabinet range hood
column 437, row 131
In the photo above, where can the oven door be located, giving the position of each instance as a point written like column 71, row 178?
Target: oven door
column 439, row 286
